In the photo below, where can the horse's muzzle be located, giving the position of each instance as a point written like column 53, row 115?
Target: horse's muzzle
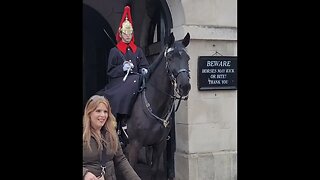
column 184, row 89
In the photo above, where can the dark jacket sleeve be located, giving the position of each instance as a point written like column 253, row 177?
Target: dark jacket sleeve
column 122, row 164
column 143, row 62
column 84, row 171
column 115, row 64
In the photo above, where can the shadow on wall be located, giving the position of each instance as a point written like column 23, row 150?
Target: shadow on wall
column 96, row 46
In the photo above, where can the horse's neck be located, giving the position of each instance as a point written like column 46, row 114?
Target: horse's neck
column 159, row 89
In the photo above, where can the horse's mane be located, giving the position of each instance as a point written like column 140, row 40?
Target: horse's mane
column 156, row 62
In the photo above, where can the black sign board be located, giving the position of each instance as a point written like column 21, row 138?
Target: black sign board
column 217, row 72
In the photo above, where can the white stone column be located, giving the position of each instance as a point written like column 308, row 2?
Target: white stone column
column 206, row 124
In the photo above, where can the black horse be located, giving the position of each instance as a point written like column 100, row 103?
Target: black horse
column 150, row 121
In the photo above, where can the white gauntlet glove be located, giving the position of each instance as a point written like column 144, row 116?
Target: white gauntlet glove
column 131, row 64
column 144, row 71
column 127, row 65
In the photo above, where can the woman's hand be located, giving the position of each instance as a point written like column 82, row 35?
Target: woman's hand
column 89, row 176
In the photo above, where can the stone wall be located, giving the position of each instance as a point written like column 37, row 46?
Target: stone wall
column 206, row 124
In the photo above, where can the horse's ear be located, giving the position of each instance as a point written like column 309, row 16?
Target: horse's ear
column 186, row 40
column 171, row 40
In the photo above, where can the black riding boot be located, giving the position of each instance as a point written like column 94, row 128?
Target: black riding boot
column 122, row 130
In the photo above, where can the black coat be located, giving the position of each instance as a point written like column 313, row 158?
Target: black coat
column 123, row 94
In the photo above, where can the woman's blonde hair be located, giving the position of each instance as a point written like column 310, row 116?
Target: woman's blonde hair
column 109, row 126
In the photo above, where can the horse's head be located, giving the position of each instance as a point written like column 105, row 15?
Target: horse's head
column 177, row 63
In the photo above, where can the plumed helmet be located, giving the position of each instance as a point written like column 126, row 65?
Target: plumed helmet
column 125, row 24
column 126, row 27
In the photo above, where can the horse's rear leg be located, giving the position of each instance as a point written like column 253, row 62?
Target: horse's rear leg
column 156, row 155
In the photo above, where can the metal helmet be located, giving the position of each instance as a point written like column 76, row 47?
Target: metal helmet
column 126, row 27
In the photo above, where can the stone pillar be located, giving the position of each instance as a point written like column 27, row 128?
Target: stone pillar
column 206, row 124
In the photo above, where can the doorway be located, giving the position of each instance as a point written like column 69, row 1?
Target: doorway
column 152, row 24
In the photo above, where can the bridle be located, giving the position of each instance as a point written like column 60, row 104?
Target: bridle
column 173, row 78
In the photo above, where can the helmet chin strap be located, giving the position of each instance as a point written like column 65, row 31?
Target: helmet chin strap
column 127, row 42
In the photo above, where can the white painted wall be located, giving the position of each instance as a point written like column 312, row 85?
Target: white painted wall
column 206, row 124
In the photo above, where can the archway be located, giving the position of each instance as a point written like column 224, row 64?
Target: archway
column 152, row 25
column 96, row 46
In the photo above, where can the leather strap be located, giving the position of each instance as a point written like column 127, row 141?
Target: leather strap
column 103, row 159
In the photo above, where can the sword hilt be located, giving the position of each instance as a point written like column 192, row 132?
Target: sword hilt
column 125, row 77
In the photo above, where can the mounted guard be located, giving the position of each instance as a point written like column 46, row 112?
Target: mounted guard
column 126, row 63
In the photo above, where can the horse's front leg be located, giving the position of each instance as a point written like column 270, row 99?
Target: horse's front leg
column 132, row 152
column 156, row 155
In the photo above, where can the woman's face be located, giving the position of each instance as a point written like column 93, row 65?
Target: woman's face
column 99, row 116
column 126, row 38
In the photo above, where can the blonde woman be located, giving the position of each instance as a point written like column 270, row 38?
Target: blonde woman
column 102, row 152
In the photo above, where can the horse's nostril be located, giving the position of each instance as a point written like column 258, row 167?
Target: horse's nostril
column 188, row 86
column 185, row 88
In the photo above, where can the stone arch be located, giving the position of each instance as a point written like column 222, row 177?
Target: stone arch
column 177, row 13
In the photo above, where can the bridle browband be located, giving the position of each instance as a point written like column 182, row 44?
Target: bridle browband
column 165, row 121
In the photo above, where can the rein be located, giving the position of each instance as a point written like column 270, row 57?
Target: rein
column 165, row 121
